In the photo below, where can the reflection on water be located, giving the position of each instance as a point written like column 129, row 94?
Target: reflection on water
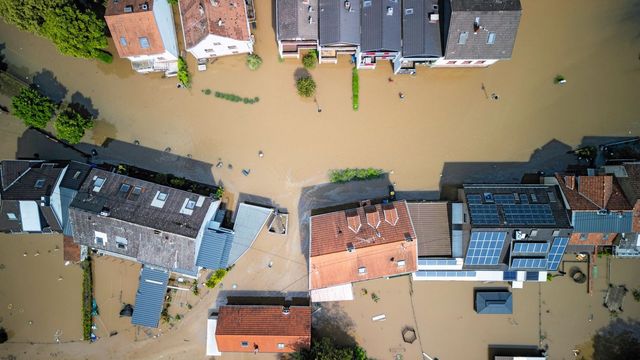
column 102, row 130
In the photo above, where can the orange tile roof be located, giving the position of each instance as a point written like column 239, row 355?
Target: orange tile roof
column 133, row 26
column 334, row 232
column 226, row 18
column 264, row 326
column 592, row 239
column 593, row 192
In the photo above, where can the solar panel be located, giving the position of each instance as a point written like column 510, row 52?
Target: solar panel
column 474, row 199
column 510, row 275
column 530, row 248
column 485, row 248
column 536, row 214
column 556, row 252
column 532, row 275
column 524, row 198
column 504, row 199
column 484, row 214
column 528, row 263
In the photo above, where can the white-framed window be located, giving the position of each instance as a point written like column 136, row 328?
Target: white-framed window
column 191, row 205
column 100, row 238
column 491, row 38
column 97, row 183
column 161, row 196
column 232, row 47
column 280, row 345
column 12, row 216
column 121, row 242
column 463, row 38
column 144, row 42
column 244, row 344
column 362, row 270
column 402, row 263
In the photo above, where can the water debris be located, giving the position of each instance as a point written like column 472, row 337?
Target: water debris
column 494, row 96
column 401, row 95
column 559, row 80
column 246, row 172
column 60, row 278
column 136, row 142
column 270, row 264
column 25, row 254
column 260, row 154
column 37, row 253
column 219, row 164
column 167, row 149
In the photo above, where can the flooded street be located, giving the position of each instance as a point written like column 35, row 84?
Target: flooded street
column 446, row 117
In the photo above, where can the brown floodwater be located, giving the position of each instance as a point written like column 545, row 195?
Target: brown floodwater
column 445, row 116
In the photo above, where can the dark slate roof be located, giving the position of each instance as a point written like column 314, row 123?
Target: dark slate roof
column 214, row 249
column 493, row 302
column 337, row 24
column 293, row 19
column 420, row 37
column 612, row 222
column 150, row 297
column 75, row 175
column 19, row 178
column 501, row 17
column 123, row 206
column 381, row 23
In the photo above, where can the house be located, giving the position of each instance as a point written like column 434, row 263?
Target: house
column 35, row 194
column 380, row 33
column 267, row 325
column 297, row 26
column 628, row 176
column 490, row 301
column 214, row 28
column 599, row 209
column 144, row 32
column 421, row 40
column 339, row 29
column 362, row 243
column 498, row 233
column 478, row 33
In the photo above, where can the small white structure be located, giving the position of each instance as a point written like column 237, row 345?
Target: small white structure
column 212, row 344
column 214, row 28
column 333, row 293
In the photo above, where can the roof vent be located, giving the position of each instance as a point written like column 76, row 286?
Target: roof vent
column 389, row 11
column 310, row 20
column 476, row 25
column 408, row 11
column 214, row 3
column 128, row 9
column 373, row 217
column 488, row 197
column 391, row 215
column 144, row 6
column 353, row 220
column 519, row 235
column 220, row 22
column 105, row 211
column 602, row 212
column 201, row 9
column 347, row 5
column 350, row 247
column 434, row 17
column 286, row 310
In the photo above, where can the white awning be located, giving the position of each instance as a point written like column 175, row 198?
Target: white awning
column 334, row 293
column 212, row 345
column 30, row 216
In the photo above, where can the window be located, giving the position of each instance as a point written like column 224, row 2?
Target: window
column 463, row 38
column 232, row 47
column 482, row 62
column 605, row 237
column 491, row 39
column 280, row 345
column 466, row 62
column 121, row 242
column 97, row 183
column 402, row 263
column 124, row 188
column 39, row 184
column 208, row 50
column 135, row 193
column 161, row 58
column 162, row 196
column 244, row 344
column 144, row 42
column 191, row 204
column 100, row 238
column 12, row 216
column 77, row 175
column 452, row 62
column 216, row 43
column 123, row 41
column 362, row 270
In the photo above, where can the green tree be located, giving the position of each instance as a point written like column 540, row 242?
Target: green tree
column 183, row 73
column 310, row 60
column 215, row 278
column 27, row 14
column 306, row 86
column 326, row 349
column 74, row 32
column 33, row 108
column 70, row 126
column 254, row 61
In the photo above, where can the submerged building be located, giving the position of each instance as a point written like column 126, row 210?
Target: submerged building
column 339, row 29
column 380, row 32
column 297, row 26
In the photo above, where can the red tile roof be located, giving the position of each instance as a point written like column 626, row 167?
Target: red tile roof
column 133, row 26
column 334, row 232
column 264, row 326
column 226, row 18
column 593, row 192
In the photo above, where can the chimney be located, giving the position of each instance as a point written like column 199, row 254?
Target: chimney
column 373, row 217
column 353, row 220
column 569, row 181
column 220, row 22
column 286, row 310
column 390, row 214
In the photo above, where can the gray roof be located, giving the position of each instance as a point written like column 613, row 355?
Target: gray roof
column 612, row 222
column 74, row 175
column 420, row 37
column 381, row 25
column 214, row 249
column 493, row 302
column 248, row 223
column 150, row 297
column 500, row 17
column 339, row 25
column 293, row 19
column 431, row 223
column 19, row 179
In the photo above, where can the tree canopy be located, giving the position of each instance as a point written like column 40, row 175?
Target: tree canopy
column 27, row 14
column 70, row 126
column 74, row 32
column 310, row 60
column 325, row 349
column 254, row 61
column 33, row 108
column 306, row 86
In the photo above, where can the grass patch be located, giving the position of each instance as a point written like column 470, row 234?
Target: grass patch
column 87, row 299
column 346, row 175
column 355, row 88
column 236, row 98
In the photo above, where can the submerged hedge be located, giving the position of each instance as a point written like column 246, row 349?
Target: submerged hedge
column 87, row 299
column 346, row 175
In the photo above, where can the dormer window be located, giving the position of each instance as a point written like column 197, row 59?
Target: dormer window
column 39, row 184
column 159, row 199
column 402, row 263
column 362, row 270
column 97, row 183
column 135, row 193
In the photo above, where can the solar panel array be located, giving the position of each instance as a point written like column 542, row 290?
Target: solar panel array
column 530, row 248
column 484, row 214
column 474, row 199
column 441, row 274
column 485, row 248
column 510, row 275
column 504, row 199
column 556, row 252
column 528, row 263
column 536, row 214
column 532, row 275
column 437, row 262
column 524, row 199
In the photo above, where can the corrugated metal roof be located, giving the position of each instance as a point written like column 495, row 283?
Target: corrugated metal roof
column 214, row 249
column 612, row 222
column 339, row 25
column 150, row 297
column 494, row 302
column 381, row 25
column 249, row 221
column 420, row 37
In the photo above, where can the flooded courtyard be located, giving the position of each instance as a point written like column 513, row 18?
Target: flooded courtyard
column 445, row 118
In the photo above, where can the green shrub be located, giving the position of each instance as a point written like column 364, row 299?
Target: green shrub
column 178, row 182
column 636, row 294
column 310, row 60
column 173, row 2
column 183, row 73
column 219, row 193
column 355, row 88
column 306, row 86
column 346, row 175
column 254, row 61
column 236, row 98
column 75, row 32
column 87, row 299
column 206, row 91
column 104, row 56
column 70, row 126
column 215, row 278
column 33, row 108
